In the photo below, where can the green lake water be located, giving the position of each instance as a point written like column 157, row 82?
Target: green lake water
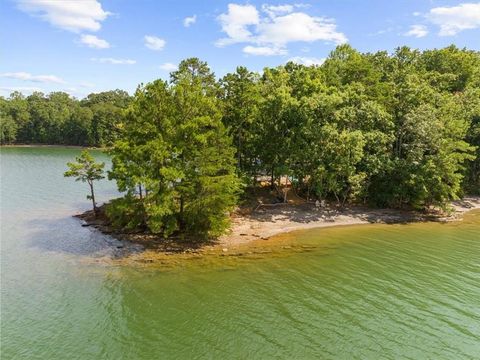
column 363, row 292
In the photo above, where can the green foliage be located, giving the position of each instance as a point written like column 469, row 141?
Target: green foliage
column 471, row 105
column 8, row 126
column 240, row 99
column 108, row 115
column 58, row 118
column 85, row 169
column 126, row 213
column 397, row 130
column 8, row 130
column 175, row 160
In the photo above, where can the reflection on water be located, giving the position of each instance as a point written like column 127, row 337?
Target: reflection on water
column 373, row 291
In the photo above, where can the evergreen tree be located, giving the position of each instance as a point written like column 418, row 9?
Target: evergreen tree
column 176, row 146
column 85, row 169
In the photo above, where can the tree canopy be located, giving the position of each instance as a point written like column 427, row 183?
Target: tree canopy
column 59, row 119
column 396, row 130
column 85, row 169
column 175, row 160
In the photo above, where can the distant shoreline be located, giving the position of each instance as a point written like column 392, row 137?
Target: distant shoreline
column 50, row 146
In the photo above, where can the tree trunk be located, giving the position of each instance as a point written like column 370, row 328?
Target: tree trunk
column 92, row 195
column 285, row 191
column 239, row 151
column 336, row 196
column 180, row 220
column 140, row 191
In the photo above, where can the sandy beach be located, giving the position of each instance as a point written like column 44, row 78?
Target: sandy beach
column 261, row 224
column 269, row 221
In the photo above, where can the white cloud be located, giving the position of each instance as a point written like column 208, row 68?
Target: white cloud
column 280, row 26
column 299, row 27
column 189, row 20
column 263, row 50
column 307, row 61
column 94, row 42
column 235, row 22
column 154, row 43
column 168, row 67
column 24, row 76
column 455, row 19
column 275, row 10
column 72, row 15
column 417, row 30
column 114, row 61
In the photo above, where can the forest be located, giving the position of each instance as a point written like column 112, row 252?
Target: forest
column 397, row 129
column 59, row 119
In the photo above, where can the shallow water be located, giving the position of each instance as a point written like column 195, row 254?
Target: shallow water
column 363, row 292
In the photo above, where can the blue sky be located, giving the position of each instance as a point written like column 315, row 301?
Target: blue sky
column 83, row 46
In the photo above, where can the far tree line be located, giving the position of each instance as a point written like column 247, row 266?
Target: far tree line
column 396, row 130
column 59, row 119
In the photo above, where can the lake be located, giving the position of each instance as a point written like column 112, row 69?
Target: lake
column 362, row 292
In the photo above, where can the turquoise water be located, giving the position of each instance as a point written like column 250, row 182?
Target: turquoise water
column 364, row 292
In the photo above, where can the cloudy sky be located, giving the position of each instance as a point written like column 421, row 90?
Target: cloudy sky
column 83, row 46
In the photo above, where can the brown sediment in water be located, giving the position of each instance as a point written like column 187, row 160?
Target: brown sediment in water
column 259, row 234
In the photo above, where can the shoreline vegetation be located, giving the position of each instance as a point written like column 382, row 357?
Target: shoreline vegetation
column 264, row 223
column 394, row 130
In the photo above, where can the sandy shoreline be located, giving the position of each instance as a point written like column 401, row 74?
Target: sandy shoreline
column 261, row 224
column 266, row 223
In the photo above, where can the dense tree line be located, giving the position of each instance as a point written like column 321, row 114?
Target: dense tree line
column 393, row 130
column 57, row 118
column 396, row 130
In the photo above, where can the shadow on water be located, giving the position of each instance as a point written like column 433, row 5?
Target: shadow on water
column 67, row 235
